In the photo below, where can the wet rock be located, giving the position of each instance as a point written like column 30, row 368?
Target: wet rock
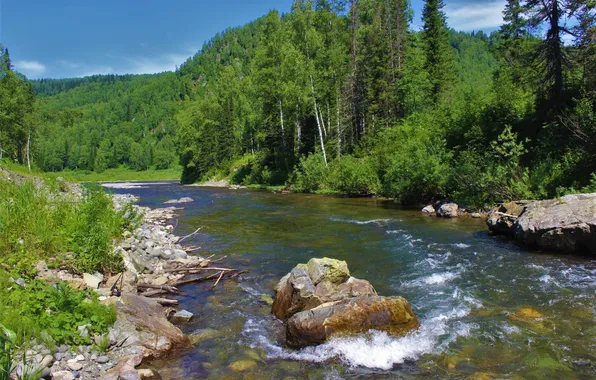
column 476, row 215
column 199, row 336
column 266, row 298
column 448, row 210
column 428, row 210
column 181, row 316
column 142, row 322
column 148, row 374
column 567, row 224
column 351, row 316
column 242, row 365
column 297, row 294
column 502, row 219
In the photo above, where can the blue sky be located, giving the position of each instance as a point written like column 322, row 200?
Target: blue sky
column 72, row 38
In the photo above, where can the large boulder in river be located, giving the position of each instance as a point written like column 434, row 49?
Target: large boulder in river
column 143, row 327
column 321, row 299
column 567, row 224
column 319, row 281
column 351, row 316
column 448, row 210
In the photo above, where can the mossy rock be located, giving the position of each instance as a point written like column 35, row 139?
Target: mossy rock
column 199, row 336
column 242, row 365
column 267, row 299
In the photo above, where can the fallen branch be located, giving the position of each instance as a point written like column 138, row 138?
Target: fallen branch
column 187, row 236
column 166, row 301
column 150, row 293
column 507, row 215
column 168, row 288
column 219, row 278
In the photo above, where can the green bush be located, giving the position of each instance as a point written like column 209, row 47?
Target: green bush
column 354, row 176
column 415, row 162
column 311, row 174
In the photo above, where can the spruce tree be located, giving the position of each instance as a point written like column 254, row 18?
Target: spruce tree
column 437, row 50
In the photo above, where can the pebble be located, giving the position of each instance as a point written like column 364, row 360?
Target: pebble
column 102, row 359
column 74, row 366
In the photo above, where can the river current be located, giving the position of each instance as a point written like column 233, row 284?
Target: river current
column 488, row 308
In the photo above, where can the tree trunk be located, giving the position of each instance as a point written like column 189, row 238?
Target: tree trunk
column 338, row 129
column 283, row 133
column 322, row 121
column 28, row 149
column 314, row 99
column 298, row 136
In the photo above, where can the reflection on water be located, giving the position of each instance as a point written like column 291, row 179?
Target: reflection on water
column 488, row 309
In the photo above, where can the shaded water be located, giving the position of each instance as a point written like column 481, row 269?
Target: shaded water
column 471, row 291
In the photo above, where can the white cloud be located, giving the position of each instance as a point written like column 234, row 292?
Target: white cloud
column 145, row 65
column 475, row 16
column 97, row 70
column 30, row 68
column 69, row 64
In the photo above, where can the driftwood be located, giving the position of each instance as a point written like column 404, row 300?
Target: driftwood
column 507, row 215
column 189, row 235
column 218, row 279
column 168, row 288
column 166, row 301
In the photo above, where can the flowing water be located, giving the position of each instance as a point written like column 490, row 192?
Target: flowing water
column 488, row 308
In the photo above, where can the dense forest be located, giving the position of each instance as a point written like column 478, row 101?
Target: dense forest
column 343, row 97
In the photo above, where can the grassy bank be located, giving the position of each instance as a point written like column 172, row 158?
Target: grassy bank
column 70, row 228
column 121, row 173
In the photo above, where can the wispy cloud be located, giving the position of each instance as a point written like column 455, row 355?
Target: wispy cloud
column 97, row 70
column 31, row 69
column 69, row 64
column 151, row 65
column 479, row 15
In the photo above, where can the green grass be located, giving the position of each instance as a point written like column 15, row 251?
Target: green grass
column 121, row 173
column 42, row 223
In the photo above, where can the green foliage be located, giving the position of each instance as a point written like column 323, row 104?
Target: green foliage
column 56, row 311
column 414, row 159
column 39, row 222
column 353, row 176
column 7, row 352
column 311, row 174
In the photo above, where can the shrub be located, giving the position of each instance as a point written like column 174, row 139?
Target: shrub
column 311, row 174
column 415, row 161
column 354, row 176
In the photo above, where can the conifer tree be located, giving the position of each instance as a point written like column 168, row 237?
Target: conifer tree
column 437, row 50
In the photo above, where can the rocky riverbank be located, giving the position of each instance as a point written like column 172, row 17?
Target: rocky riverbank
column 566, row 224
column 155, row 262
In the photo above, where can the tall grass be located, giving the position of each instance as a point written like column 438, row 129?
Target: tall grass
column 40, row 222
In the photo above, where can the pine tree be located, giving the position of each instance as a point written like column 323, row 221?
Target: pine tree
column 515, row 22
column 437, row 50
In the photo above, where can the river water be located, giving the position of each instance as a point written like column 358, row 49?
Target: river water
column 488, row 308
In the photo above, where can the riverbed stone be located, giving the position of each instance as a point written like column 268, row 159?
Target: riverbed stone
column 181, row 316
column 75, row 366
column 428, row 210
column 242, row 365
column 351, row 316
column 448, row 210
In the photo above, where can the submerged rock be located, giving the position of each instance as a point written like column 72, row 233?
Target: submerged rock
column 351, row 316
column 182, row 316
column 321, row 299
column 181, row 200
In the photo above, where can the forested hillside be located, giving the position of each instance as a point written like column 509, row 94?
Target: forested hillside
column 348, row 98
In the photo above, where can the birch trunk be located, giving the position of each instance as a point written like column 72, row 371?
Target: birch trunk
column 28, row 149
column 298, row 132
column 314, row 99
column 338, row 129
column 322, row 121
column 283, row 132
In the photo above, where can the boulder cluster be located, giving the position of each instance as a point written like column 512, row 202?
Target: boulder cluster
column 566, row 224
column 320, row 299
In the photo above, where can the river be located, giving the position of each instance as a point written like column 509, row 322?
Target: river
column 488, row 308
